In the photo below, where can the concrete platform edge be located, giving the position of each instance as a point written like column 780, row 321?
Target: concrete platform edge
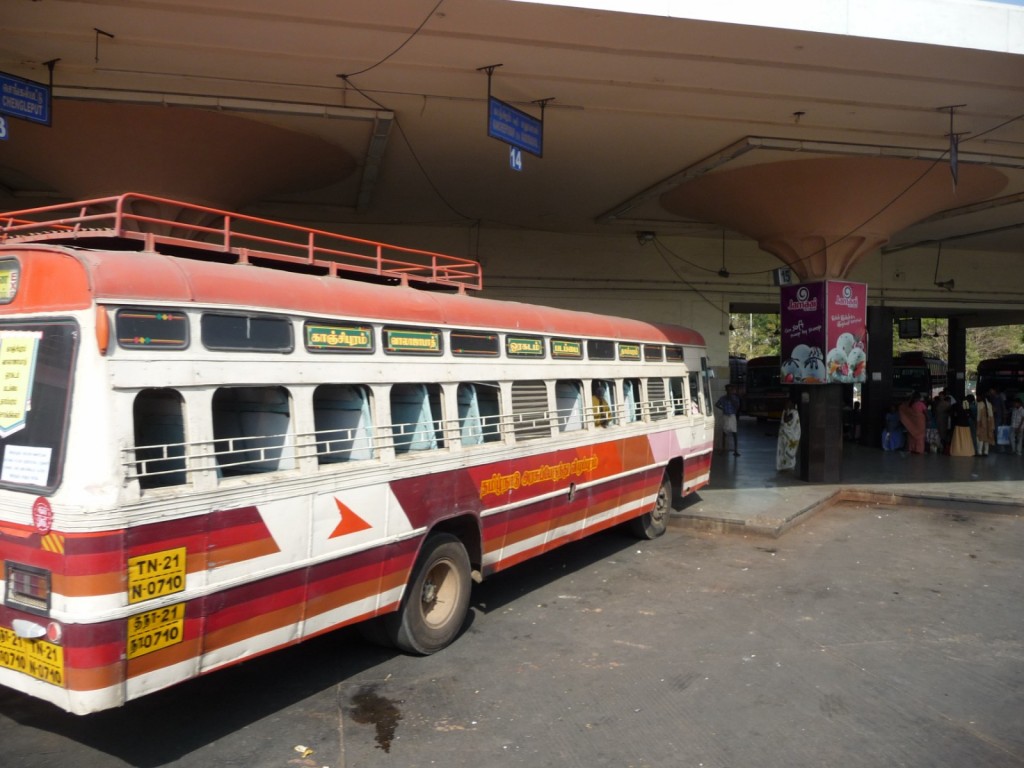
column 764, row 525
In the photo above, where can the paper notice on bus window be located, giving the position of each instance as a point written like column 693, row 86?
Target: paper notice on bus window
column 17, row 371
column 26, row 465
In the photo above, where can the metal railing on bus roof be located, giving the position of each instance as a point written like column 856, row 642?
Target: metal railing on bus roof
column 251, row 240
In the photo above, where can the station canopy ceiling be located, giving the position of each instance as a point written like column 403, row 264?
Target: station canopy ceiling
column 362, row 112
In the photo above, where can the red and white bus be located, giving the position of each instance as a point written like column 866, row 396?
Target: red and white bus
column 221, row 438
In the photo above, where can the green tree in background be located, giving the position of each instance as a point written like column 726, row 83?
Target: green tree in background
column 754, row 335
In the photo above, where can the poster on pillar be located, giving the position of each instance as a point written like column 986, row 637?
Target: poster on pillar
column 824, row 332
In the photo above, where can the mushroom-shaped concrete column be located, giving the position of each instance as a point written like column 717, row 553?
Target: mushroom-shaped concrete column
column 200, row 156
column 820, row 215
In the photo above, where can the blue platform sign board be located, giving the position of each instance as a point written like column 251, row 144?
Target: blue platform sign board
column 515, row 127
column 24, row 99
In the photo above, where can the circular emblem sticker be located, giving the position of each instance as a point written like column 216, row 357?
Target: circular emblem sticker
column 42, row 515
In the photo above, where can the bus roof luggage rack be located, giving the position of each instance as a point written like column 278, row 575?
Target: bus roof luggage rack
column 194, row 231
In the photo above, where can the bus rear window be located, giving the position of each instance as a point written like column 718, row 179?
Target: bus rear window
column 152, row 329
column 37, row 360
column 243, row 332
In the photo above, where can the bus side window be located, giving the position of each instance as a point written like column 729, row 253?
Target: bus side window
column 678, row 397
column 602, row 395
column 569, row 402
column 344, row 423
column 530, row 410
column 479, row 413
column 659, row 407
column 250, row 429
column 633, row 399
column 695, row 404
column 416, row 417
column 706, row 374
column 159, row 416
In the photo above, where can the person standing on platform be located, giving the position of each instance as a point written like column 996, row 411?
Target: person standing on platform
column 932, row 444
column 1017, row 427
column 940, row 407
column 729, row 405
column 789, row 438
column 972, row 411
column 960, row 440
column 986, row 427
column 912, row 416
column 998, row 402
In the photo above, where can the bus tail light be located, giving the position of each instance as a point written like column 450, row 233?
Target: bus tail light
column 28, row 587
column 54, row 632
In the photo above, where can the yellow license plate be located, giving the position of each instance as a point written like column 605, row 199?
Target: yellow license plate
column 40, row 659
column 157, row 629
column 156, row 574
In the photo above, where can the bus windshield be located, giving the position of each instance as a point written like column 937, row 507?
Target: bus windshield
column 912, row 379
column 36, row 361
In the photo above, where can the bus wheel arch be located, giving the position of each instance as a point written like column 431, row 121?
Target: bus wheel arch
column 435, row 605
column 654, row 522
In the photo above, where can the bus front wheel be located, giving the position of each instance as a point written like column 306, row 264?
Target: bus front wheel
column 654, row 522
column 436, row 601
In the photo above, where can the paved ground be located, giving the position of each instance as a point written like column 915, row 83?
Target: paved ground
column 866, row 635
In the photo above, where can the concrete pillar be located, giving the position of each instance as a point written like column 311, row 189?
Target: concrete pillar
column 876, row 394
column 821, row 433
column 956, row 359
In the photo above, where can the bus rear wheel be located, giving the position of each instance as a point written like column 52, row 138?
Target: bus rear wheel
column 436, row 601
column 654, row 522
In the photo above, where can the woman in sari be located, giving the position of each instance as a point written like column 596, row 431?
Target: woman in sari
column 789, row 438
column 961, row 443
column 912, row 416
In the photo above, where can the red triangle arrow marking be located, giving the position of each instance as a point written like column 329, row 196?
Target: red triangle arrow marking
column 350, row 522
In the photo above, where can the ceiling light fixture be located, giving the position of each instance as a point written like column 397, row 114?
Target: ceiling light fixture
column 723, row 272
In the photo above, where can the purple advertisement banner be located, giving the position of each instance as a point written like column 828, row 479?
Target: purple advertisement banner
column 802, row 310
column 846, row 358
column 824, row 332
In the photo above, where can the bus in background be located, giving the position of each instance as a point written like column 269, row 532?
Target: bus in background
column 917, row 372
column 738, row 373
column 766, row 395
column 221, row 439
column 1004, row 374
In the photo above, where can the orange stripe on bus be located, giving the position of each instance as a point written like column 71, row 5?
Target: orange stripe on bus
column 90, row 585
column 92, row 678
column 239, row 553
column 186, row 650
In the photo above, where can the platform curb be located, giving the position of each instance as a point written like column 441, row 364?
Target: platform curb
column 775, row 527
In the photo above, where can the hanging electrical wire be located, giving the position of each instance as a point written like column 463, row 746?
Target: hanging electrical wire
column 686, row 282
column 347, row 78
column 405, row 43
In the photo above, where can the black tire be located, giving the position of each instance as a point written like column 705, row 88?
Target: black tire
column 436, row 601
column 654, row 522
column 375, row 632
